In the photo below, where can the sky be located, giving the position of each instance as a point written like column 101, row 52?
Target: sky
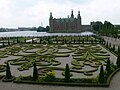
column 34, row 13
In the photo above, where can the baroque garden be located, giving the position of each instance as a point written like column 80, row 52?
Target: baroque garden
column 59, row 60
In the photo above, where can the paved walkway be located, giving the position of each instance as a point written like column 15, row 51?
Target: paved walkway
column 115, row 85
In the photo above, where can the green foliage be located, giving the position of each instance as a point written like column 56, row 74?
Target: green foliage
column 108, row 69
column 26, row 77
column 44, row 55
column 113, row 67
column 8, row 42
column 63, row 73
column 101, row 75
column 107, row 44
column 105, row 28
column 118, row 61
column 8, row 72
column 49, row 76
column 3, row 44
column 67, row 73
column 32, row 40
column 18, row 41
column 118, row 49
column 35, row 72
column 2, row 68
column 113, row 48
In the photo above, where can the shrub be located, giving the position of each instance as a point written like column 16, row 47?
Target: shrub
column 107, row 44
column 118, row 60
column 8, row 72
column 108, row 67
column 113, row 48
column 118, row 49
column 35, row 72
column 67, row 73
column 3, row 44
column 49, row 76
column 101, row 75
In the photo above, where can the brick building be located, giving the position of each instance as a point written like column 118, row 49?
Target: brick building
column 65, row 25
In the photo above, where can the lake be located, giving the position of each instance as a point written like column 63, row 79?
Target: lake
column 35, row 34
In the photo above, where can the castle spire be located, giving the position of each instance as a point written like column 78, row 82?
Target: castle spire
column 72, row 15
column 51, row 17
column 79, row 14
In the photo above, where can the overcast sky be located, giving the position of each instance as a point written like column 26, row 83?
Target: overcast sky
column 28, row 13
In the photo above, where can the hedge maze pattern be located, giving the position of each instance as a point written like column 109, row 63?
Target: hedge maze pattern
column 86, row 58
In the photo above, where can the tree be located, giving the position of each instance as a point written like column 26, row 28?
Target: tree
column 74, row 41
column 35, row 72
column 118, row 49
column 8, row 72
column 83, row 41
column 114, row 47
column 3, row 44
column 13, row 41
column 118, row 60
column 25, row 40
column 107, row 44
column 67, row 73
column 8, row 42
column 47, row 28
column 18, row 40
column 97, row 26
column 101, row 75
column 32, row 40
column 106, row 28
column 108, row 67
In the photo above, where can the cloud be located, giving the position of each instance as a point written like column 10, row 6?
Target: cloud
column 14, row 13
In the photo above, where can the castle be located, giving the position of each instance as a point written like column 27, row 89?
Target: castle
column 66, row 25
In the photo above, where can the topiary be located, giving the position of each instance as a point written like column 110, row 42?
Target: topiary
column 101, row 75
column 35, row 72
column 118, row 60
column 8, row 72
column 67, row 73
column 49, row 76
column 108, row 67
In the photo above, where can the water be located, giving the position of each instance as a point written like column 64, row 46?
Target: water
column 35, row 34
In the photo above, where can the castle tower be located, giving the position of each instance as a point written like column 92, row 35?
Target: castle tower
column 51, row 22
column 79, row 21
column 51, row 17
column 72, row 15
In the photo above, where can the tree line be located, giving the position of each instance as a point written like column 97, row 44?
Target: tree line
column 106, row 28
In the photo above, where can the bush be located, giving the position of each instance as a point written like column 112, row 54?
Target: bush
column 118, row 60
column 35, row 73
column 49, row 76
column 8, row 72
column 101, row 75
column 108, row 67
column 67, row 73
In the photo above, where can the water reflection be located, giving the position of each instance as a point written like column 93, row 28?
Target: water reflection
column 34, row 33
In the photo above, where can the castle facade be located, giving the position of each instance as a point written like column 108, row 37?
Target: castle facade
column 65, row 25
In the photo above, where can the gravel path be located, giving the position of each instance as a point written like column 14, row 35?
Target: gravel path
column 13, row 86
column 113, row 41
